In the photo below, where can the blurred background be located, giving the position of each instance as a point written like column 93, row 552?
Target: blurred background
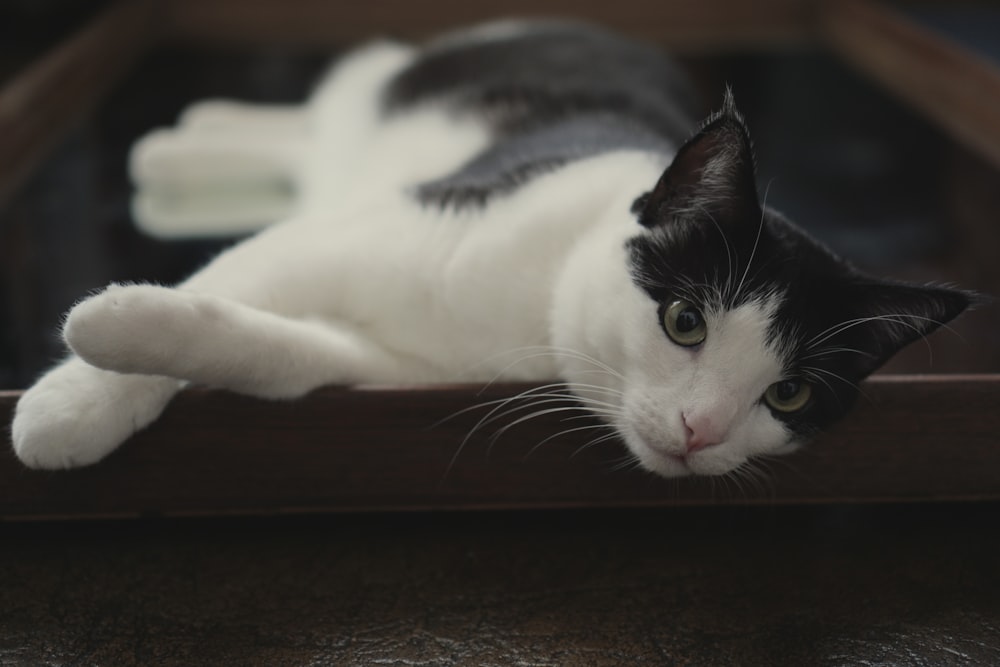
column 850, row 142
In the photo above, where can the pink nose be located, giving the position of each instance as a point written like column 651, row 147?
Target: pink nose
column 702, row 431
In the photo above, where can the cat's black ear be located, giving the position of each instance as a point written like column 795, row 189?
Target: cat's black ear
column 888, row 316
column 712, row 174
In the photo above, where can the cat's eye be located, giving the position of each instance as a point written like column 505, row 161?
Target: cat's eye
column 684, row 324
column 788, row 395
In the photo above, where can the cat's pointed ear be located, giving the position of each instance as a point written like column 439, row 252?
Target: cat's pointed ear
column 888, row 316
column 713, row 173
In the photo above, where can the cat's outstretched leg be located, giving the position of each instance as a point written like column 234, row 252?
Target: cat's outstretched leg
column 231, row 168
column 196, row 181
column 77, row 414
column 244, row 118
column 211, row 340
column 140, row 344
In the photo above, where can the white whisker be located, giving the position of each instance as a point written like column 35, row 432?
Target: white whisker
column 816, row 374
column 894, row 318
column 613, row 435
column 534, row 415
column 753, row 252
column 499, row 401
column 499, row 405
column 827, row 351
column 589, row 427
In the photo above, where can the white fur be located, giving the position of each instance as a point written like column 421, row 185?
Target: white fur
column 366, row 285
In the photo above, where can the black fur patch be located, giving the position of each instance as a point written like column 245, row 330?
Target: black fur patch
column 553, row 93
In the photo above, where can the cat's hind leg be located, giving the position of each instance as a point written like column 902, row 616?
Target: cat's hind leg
column 215, row 341
column 245, row 118
column 199, row 182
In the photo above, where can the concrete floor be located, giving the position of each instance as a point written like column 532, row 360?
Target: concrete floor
column 892, row 585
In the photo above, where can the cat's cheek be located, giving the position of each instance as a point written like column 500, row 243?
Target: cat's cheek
column 786, row 448
column 771, row 437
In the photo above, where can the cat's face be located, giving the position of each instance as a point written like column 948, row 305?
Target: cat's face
column 702, row 384
column 746, row 336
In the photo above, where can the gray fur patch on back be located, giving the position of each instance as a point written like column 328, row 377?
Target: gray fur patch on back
column 510, row 163
column 553, row 92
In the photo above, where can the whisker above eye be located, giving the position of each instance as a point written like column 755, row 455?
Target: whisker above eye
column 753, row 252
column 731, row 257
column 827, row 351
column 901, row 319
column 815, row 377
column 816, row 374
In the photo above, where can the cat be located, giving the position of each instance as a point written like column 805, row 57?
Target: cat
column 522, row 201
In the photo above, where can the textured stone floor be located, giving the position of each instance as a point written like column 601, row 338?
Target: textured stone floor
column 916, row 585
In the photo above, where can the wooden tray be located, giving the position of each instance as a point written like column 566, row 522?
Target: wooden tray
column 912, row 438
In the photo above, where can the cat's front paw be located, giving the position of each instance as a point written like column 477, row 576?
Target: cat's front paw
column 127, row 328
column 76, row 414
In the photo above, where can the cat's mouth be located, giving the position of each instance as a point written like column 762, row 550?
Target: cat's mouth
column 656, row 456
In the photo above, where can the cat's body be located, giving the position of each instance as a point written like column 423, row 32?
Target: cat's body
column 503, row 205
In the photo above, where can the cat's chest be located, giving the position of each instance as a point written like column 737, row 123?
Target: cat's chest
column 464, row 284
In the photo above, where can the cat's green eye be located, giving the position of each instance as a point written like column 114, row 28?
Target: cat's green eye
column 684, row 324
column 788, row 395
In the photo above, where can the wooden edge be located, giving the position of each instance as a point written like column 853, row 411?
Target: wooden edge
column 57, row 91
column 955, row 88
column 685, row 24
column 914, row 438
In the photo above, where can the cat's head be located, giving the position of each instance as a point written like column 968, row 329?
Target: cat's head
column 753, row 335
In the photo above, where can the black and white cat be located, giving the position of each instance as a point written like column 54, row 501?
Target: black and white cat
column 522, row 201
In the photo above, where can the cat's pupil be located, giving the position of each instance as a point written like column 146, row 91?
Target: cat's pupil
column 787, row 390
column 688, row 320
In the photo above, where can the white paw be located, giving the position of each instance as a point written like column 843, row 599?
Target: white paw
column 76, row 414
column 129, row 329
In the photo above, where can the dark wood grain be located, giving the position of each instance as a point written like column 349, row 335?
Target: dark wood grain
column 914, row 438
column 954, row 87
column 57, row 92
column 690, row 25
